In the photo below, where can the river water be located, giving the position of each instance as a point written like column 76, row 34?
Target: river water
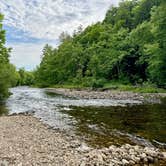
column 98, row 122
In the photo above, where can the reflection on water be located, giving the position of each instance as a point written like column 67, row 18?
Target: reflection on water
column 99, row 122
column 107, row 125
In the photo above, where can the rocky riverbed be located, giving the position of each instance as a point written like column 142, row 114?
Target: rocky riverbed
column 24, row 140
column 109, row 94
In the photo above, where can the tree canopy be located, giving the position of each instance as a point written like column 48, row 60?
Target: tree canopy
column 129, row 46
column 8, row 74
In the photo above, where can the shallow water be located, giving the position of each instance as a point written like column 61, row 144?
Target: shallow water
column 136, row 124
column 99, row 122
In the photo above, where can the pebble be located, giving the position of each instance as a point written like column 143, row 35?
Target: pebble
column 47, row 147
column 143, row 155
column 125, row 162
column 164, row 154
column 131, row 162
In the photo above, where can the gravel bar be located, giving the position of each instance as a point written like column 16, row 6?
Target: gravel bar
column 109, row 94
column 24, row 141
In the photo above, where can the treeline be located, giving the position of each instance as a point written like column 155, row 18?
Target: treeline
column 128, row 46
column 8, row 74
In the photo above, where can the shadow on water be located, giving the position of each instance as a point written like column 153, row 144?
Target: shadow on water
column 56, row 95
column 3, row 109
column 50, row 94
column 103, row 126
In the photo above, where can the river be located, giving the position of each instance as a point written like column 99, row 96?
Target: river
column 99, row 122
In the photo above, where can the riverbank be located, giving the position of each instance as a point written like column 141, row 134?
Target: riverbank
column 116, row 86
column 24, row 140
column 108, row 94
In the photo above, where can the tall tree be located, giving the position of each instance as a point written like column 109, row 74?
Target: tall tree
column 7, row 71
column 157, row 50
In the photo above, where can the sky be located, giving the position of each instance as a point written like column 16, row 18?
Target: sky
column 30, row 24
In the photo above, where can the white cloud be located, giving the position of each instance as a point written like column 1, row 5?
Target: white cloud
column 46, row 19
column 26, row 55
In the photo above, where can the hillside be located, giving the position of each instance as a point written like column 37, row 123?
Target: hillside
column 127, row 47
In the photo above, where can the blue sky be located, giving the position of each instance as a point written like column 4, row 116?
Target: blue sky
column 30, row 24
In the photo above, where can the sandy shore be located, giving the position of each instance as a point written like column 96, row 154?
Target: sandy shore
column 109, row 94
column 24, row 140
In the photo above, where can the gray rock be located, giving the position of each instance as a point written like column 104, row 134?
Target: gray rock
column 83, row 164
column 131, row 162
column 125, row 162
column 143, row 155
column 164, row 155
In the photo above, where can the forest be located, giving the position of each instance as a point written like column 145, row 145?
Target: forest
column 128, row 47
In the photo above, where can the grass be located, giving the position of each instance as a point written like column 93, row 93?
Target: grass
column 146, row 88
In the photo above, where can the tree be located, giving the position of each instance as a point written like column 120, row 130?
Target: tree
column 7, row 71
column 157, row 50
column 128, row 46
column 64, row 36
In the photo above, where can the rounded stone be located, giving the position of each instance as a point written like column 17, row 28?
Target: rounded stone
column 125, row 162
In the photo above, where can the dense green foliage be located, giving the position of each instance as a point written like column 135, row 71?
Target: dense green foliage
column 25, row 77
column 128, row 46
column 8, row 74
